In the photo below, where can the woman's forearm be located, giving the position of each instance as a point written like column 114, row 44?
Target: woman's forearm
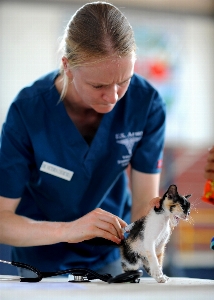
column 20, row 231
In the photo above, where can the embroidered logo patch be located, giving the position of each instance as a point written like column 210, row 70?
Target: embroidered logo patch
column 128, row 141
column 56, row 171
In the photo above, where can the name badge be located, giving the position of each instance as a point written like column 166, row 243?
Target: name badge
column 56, row 171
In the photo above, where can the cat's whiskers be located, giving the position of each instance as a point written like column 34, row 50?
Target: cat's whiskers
column 195, row 204
column 190, row 220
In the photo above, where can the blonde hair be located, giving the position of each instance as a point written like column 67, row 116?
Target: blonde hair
column 97, row 30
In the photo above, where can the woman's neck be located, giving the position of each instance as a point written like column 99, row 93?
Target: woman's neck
column 85, row 119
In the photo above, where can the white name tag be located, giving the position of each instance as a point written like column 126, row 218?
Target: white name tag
column 56, row 171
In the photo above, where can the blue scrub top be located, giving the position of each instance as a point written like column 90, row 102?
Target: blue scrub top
column 46, row 161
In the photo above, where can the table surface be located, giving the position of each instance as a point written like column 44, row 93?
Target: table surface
column 148, row 288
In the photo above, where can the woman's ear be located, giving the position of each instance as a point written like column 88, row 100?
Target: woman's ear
column 66, row 68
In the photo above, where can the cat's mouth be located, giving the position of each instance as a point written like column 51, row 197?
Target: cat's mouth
column 183, row 217
column 176, row 219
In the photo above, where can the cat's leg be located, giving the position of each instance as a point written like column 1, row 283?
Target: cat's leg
column 160, row 256
column 155, row 269
column 145, row 265
column 130, row 260
column 127, row 266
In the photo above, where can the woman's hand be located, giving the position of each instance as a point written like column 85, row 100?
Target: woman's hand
column 155, row 202
column 209, row 167
column 97, row 223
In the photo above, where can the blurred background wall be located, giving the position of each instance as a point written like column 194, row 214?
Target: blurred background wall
column 176, row 54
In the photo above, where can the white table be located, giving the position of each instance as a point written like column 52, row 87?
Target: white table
column 147, row 289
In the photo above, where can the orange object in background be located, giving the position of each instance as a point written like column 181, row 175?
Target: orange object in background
column 208, row 195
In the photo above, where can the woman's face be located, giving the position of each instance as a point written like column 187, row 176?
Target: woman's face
column 101, row 84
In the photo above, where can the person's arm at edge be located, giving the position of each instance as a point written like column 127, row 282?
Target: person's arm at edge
column 145, row 192
column 209, row 167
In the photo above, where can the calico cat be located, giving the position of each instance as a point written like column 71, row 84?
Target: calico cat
column 148, row 236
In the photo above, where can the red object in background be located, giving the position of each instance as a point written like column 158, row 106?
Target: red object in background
column 208, row 195
column 153, row 70
column 158, row 70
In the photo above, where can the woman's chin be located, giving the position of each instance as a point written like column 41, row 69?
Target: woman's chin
column 104, row 108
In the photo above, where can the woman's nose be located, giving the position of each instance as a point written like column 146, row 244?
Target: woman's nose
column 111, row 94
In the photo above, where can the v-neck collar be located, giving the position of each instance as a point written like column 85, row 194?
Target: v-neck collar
column 81, row 149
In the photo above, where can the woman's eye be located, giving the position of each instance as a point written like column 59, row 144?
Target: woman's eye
column 97, row 86
column 124, row 83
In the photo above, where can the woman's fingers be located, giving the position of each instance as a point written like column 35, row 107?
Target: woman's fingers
column 106, row 234
column 155, row 202
column 211, row 149
column 209, row 173
column 98, row 223
column 110, row 223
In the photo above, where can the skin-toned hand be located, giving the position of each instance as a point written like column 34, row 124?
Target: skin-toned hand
column 155, row 202
column 209, row 167
column 97, row 223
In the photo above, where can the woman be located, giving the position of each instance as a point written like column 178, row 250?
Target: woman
column 66, row 143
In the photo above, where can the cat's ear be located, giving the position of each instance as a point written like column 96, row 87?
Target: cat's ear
column 172, row 189
column 187, row 196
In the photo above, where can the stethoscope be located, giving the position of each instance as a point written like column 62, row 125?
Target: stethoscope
column 79, row 274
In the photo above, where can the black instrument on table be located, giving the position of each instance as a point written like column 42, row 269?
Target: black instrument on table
column 79, row 274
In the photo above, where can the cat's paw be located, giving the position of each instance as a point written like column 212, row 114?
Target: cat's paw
column 162, row 279
column 159, row 276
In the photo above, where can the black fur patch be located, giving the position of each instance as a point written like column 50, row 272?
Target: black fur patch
column 137, row 229
column 147, row 269
column 160, row 209
column 130, row 255
column 186, row 205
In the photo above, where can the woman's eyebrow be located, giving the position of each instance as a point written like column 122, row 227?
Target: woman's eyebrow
column 105, row 84
column 126, row 79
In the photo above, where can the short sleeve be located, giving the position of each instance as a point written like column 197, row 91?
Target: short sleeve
column 148, row 154
column 15, row 155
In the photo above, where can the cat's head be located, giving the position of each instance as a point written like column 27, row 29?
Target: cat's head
column 175, row 204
